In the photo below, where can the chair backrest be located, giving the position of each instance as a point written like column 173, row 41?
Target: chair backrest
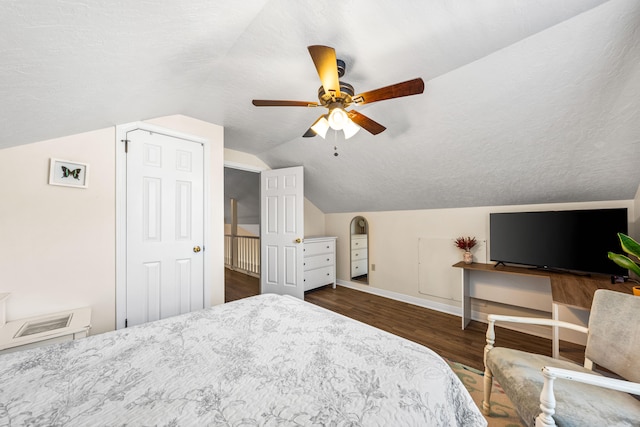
column 614, row 333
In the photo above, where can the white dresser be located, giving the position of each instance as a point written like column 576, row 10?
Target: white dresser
column 319, row 262
column 359, row 258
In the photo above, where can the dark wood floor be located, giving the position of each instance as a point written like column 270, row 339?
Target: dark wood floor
column 439, row 331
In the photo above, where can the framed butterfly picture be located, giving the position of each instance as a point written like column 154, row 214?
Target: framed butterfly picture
column 68, row 173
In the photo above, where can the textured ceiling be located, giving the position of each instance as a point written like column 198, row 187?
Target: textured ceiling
column 526, row 101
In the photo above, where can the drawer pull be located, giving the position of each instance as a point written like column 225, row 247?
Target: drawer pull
column 328, row 274
column 327, row 259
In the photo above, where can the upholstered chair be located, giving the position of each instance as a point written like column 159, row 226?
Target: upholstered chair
column 548, row 392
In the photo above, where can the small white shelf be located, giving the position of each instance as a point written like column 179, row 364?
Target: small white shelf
column 46, row 329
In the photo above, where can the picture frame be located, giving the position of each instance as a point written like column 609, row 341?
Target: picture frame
column 68, row 173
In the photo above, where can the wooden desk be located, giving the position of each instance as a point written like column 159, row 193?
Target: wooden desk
column 566, row 289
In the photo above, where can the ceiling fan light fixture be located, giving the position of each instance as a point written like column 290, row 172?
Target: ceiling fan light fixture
column 321, row 126
column 338, row 118
column 350, row 129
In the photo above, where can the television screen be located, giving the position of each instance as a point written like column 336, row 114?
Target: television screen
column 576, row 240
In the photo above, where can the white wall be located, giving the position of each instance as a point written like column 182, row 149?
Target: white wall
column 57, row 247
column 313, row 220
column 244, row 161
column 58, row 243
column 394, row 248
column 636, row 206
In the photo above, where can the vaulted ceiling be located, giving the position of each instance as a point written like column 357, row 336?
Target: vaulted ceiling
column 525, row 101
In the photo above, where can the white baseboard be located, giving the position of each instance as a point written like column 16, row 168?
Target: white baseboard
column 443, row 308
column 432, row 305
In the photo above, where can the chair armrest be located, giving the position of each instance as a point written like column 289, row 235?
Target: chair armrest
column 492, row 318
column 548, row 399
column 597, row 380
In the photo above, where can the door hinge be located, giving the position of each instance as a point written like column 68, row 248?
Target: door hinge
column 126, row 323
column 126, row 145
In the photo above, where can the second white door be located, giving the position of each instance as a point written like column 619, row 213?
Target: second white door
column 282, row 231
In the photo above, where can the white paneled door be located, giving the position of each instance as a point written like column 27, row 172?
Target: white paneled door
column 165, row 270
column 282, row 231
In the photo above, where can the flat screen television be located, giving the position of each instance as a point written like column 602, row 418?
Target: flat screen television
column 574, row 241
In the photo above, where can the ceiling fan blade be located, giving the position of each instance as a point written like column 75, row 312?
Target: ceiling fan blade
column 309, row 133
column 410, row 87
column 365, row 122
column 324, row 58
column 272, row 103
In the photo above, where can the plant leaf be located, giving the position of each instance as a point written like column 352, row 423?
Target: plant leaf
column 629, row 245
column 624, row 262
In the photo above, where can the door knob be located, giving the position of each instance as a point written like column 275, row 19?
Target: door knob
column 298, row 240
column 196, row 249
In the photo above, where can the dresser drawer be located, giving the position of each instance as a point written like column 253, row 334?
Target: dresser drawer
column 358, row 254
column 315, row 248
column 317, row 261
column 318, row 277
column 358, row 243
column 358, row 268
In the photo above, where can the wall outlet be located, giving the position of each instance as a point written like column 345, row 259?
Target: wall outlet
column 373, row 267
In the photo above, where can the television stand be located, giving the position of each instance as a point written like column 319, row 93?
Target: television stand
column 559, row 271
column 499, row 263
column 566, row 289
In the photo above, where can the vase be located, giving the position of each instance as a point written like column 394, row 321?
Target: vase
column 467, row 257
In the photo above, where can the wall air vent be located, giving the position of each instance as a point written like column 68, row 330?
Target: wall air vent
column 44, row 325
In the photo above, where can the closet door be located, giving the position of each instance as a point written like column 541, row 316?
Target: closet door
column 165, row 226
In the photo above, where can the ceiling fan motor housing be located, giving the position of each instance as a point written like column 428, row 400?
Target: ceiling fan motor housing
column 346, row 93
column 342, row 66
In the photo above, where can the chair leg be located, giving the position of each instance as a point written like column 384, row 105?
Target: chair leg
column 547, row 401
column 488, row 384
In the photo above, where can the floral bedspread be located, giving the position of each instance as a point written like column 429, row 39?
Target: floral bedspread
column 263, row 361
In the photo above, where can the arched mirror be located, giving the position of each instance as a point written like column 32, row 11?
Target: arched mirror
column 359, row 231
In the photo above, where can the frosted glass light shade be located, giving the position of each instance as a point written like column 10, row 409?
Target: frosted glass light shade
column 350, row 129
column 338, row 118
column 320, row 127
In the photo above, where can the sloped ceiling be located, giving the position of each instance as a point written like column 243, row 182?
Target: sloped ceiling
column 525, row 101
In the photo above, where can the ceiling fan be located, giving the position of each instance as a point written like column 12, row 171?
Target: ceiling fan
column 336, row 96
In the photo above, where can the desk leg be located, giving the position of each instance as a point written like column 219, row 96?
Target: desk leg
column 466, row 299
column 555, row 339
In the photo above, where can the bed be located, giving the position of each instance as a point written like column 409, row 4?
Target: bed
column 267, row 360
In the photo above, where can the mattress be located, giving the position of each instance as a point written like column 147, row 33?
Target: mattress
column 268, row 360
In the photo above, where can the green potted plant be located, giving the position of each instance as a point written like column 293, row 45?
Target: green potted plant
column 632, row 248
